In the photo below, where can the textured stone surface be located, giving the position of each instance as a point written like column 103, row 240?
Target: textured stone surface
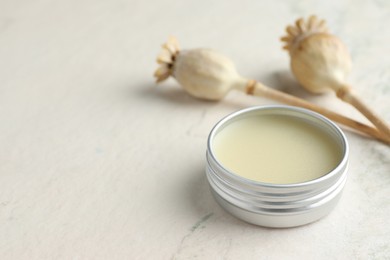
column 96, row 162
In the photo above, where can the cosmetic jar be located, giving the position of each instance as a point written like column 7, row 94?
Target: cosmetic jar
column 277, row 166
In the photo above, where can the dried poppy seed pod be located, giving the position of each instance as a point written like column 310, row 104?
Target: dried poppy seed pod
column 321, row 62
column 207, row 74
column 203, row 73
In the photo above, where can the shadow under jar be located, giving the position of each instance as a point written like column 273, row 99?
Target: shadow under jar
column 277, row 166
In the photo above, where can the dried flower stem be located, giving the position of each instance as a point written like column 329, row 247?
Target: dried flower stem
column 259, row 89
column 348, row 96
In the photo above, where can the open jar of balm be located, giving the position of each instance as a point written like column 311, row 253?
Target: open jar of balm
column 277, row 166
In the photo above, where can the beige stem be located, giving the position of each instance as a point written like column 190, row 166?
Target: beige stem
column 258, row 89
column 346, row 95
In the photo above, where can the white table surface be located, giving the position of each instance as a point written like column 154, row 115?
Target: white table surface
column 97, row 162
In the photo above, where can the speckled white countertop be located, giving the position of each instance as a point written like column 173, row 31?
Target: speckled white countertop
column 97, row 162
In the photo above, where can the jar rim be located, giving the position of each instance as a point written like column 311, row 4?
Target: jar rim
column 295, row 110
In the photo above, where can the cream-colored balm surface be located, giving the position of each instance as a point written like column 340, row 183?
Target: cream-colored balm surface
column 276, row 149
